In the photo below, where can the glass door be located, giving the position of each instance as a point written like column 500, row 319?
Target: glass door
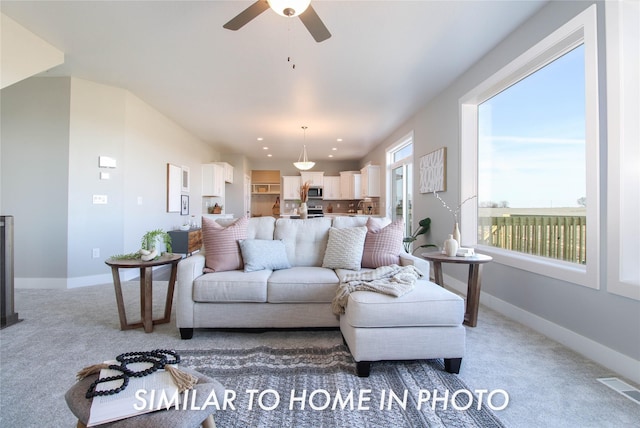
column 401, row 195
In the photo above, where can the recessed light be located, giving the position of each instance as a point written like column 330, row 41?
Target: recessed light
column 260, row 138
column 269, row 155
column 338, row 139
column 334, row 148
column 330, row 156
column 265, row 148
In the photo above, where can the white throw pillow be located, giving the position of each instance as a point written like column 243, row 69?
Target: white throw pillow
column 344, row 249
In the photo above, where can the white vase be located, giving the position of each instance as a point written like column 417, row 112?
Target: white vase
column 303, row 210
column 450, row 246
column 456, row 234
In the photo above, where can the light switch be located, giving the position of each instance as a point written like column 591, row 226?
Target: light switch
column 99, row 199
column 106, row 162
column 105, row 176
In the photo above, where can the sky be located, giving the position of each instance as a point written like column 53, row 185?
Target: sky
column 532, row 138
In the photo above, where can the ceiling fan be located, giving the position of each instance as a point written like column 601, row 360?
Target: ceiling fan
column 288, row 8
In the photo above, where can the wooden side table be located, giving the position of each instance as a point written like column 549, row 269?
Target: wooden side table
column 475, row 263
column 146, row 293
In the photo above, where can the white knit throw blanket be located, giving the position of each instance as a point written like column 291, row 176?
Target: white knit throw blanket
column 393, row 280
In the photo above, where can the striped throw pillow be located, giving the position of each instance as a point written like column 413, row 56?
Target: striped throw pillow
column 382, row 246
column 221, row 247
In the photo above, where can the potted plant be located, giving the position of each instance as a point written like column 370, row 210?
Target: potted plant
column 148, row 246
column 425, row 225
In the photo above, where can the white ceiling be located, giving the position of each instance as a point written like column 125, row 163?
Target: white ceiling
column 384, row 61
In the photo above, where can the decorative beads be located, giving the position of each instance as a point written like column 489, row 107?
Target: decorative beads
column 158, row 358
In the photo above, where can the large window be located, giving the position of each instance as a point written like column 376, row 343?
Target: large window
column 400, row 180
column 529, row 152
column 531, row 163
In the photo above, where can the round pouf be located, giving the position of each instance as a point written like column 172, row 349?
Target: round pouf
column 80, row 407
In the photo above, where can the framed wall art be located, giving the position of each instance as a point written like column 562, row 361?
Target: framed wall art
column 184, row 205
column 174, row 184
column 185, row 179
column 433, row 171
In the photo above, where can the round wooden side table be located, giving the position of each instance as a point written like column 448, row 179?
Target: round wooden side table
column 146, row 289
column 475, row 263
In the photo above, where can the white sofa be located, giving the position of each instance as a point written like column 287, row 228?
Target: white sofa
column 301, row 296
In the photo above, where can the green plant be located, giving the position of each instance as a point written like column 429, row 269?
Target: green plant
column 425, row 225
column 149, row 239
column 147, row 243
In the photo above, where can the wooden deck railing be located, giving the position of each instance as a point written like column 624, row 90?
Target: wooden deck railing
column 558, row 237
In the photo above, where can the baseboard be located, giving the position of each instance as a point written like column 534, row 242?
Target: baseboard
column 84, row 281
column 603, row 355
column 41, row 283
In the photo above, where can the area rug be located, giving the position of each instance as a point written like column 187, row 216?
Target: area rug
column 303, row 387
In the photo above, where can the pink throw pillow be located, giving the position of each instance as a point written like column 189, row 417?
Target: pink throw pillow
column 221, row 246
column 382, row 246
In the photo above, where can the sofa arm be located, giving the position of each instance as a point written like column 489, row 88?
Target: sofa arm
column 189, row 269
column 421, row 264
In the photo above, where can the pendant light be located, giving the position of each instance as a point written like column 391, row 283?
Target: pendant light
column 303, row 163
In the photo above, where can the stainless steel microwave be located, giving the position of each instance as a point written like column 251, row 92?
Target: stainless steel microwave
column 315, row 193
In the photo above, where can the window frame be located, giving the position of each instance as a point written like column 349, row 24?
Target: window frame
column 623, row 182
column 580, row 30
column 401, row 143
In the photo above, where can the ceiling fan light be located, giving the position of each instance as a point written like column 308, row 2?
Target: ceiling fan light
column 289, row 8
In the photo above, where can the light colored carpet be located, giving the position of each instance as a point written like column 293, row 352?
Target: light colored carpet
column 65, row 330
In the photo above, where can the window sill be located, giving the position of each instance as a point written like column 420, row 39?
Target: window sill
column 557, row 269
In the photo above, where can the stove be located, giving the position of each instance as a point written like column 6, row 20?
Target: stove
column 315, row 211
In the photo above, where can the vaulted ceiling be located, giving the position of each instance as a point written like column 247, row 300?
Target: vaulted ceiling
column 384, row 61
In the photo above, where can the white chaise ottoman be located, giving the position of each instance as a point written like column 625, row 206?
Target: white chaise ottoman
column 425, row 323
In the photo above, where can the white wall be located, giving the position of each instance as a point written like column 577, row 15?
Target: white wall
column 53, row 132
column 603, row 325
column 35, row 166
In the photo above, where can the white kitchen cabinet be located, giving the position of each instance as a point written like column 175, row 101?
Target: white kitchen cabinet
column 228, row 171
column 315, row 178
column 331, row 189
column 213, row 180
column 291, row 187
column 370, row 181
column 350, row 185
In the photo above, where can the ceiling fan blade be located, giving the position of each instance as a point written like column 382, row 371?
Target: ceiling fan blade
column 247, row 15
column 314, row 24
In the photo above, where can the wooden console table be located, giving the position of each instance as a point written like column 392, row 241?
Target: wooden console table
column 473, row 284
column 186, row 241
column 146, row 293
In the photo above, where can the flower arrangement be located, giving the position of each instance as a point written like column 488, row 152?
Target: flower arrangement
column 304, row 192
column 452, row 211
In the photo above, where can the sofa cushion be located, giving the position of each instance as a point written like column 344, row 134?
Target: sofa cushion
column 304, row 240
column 302, row 284
column 221, row 248
column 382, row 246
column 257, row 227
column 354, row 221
column 231, row 286
column 427, row 304
column 344, row 248
column 259, row 254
